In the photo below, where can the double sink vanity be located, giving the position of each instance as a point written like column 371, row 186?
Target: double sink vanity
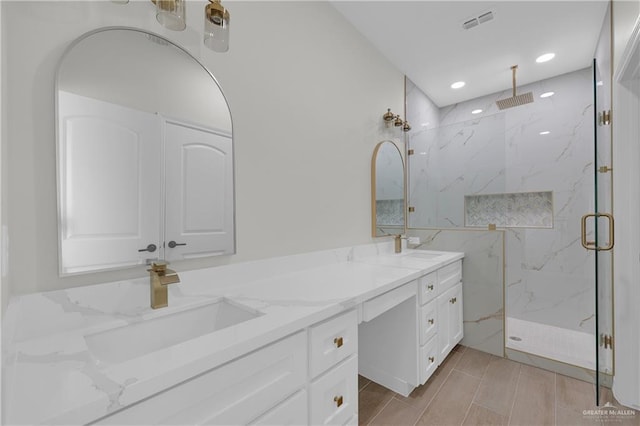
column 277, row 341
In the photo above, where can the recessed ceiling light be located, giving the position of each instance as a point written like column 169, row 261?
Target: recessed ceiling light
column 425, row 124
column 547, row 94
column 600, row 83
column 458, row 84
column 476, row 111
column 546, row 57
column 546, row 132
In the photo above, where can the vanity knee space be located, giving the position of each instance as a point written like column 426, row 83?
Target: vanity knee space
column 407, row 332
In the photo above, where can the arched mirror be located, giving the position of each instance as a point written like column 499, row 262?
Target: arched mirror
column 387, row 190
column 145, row 154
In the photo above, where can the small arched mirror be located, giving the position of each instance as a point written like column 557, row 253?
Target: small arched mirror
column 387, row 190
column 145, row 154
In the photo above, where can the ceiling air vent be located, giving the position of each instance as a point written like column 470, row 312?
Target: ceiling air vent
column 485, row 17
column 470, row 24
column 475, row 21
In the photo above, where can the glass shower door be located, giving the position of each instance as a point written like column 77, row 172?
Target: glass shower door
column 603, row 228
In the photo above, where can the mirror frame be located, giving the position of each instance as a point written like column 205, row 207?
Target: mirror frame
column 72, row 44
column 374, row 157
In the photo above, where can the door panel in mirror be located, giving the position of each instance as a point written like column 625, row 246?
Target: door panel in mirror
column 108, row 160
column 387, row 190
column 199, row 192
column 117, row 157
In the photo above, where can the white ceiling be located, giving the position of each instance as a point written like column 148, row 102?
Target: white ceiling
column 426, row 41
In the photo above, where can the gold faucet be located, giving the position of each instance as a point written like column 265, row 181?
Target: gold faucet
column 398, row 242
column 160, row 278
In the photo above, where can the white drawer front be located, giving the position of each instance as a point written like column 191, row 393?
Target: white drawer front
column 332, row 341
column 428, row 321
column 292, row 412
column 449, row 276
column 334, row 396
column 234, row 393
column 428, row 287
column 381, row 304
column 428, row 359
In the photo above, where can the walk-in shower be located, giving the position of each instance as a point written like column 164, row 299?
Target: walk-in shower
column 530, row 174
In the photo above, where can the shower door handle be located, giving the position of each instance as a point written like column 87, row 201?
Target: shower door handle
column 591, row 245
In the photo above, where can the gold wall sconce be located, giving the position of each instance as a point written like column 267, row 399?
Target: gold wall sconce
column 391, row 119
column 171, row 14
column 216, row 26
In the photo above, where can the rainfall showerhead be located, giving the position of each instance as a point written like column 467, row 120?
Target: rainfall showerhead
column 515, row 100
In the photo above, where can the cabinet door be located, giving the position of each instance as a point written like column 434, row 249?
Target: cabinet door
column 199, row 192
column 444, row 326
column 455, row 316
column 233, row 394
column 450, row 326
column 293, row 412
column 108, row 184
column 334, row 395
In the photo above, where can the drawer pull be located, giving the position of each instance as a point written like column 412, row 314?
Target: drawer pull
column 453, row 300
column 431, row 359
column 430, row 321
column 430, row 287
column 338, row 342
column 338, row 400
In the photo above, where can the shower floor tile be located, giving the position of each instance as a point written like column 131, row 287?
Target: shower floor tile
column 560, row 344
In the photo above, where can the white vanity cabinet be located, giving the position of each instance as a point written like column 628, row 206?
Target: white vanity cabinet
column 333, row 370
column 235, row 393
column 310, row 377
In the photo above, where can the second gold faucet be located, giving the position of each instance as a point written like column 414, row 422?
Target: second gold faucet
column 160, row 277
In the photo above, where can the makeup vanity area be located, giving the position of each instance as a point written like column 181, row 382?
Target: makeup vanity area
column 276, row 341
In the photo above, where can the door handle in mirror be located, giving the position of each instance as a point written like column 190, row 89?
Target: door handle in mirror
column 173, row 244
column 150, row 248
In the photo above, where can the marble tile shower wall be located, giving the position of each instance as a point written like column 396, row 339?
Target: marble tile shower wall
column 548, row 275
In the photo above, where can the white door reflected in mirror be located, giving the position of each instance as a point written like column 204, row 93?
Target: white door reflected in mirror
column 145, row 154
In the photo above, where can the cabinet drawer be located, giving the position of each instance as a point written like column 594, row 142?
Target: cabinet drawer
column 332, row 341
column 428, row 321
column 235, row 393
column 334, row 396
column 292, row 412
column 381, row 304
column 428, row 359
column 427, row 287
column 449, row 276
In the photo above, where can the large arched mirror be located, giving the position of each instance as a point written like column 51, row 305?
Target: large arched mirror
column 145, row 154
column 387, row 190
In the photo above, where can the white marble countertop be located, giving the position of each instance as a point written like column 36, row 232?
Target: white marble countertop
column 52, row 377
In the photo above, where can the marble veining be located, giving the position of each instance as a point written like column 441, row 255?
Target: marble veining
column 483, row 276
column 53, row 377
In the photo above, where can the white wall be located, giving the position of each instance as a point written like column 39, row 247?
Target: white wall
column 626, row 157
column 306, row 92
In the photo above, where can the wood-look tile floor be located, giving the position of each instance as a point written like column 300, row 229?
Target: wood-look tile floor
column 476, row 388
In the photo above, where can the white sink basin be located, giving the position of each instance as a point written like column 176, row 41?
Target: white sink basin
column 425, row 255
column 131, row 341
